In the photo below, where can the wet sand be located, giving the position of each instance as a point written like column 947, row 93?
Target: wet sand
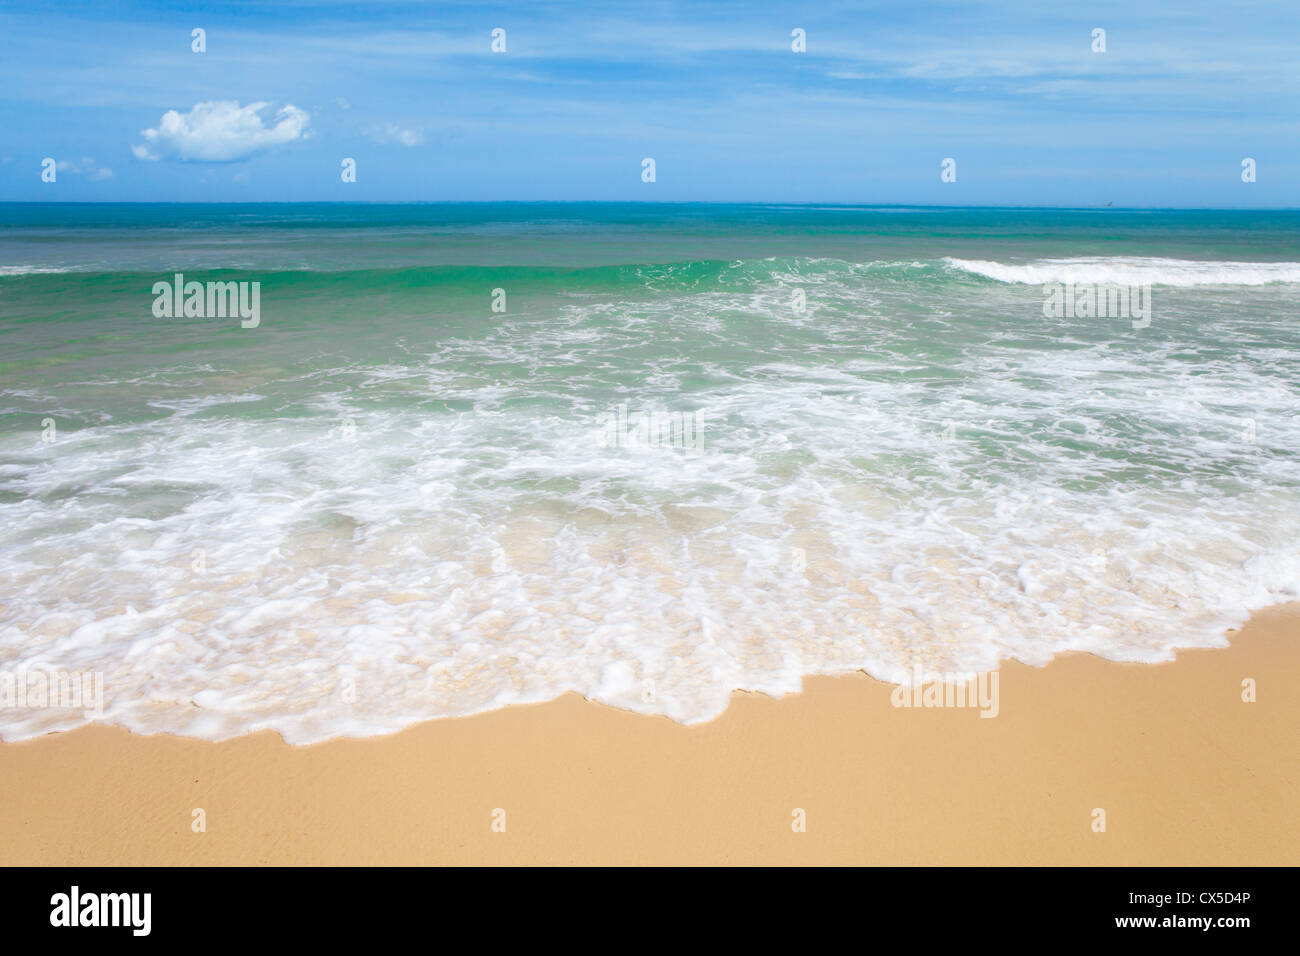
column 1185, row 770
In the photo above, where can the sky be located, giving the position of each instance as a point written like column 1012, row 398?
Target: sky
column 1015, row 93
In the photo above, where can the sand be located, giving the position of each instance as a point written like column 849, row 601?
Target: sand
column 1185, row 770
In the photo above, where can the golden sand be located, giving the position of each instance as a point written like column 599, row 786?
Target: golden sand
column 1184, row 769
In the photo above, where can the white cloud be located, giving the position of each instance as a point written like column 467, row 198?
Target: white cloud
column 86, row 166
column 220, row 131
column 392, row 133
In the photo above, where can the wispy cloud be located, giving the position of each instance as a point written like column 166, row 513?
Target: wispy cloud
column 392, row 133
column 86, row 166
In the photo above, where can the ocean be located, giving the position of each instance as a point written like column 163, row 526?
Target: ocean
column 475, row 455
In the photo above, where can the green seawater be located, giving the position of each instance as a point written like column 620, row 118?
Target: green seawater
column 902, row 459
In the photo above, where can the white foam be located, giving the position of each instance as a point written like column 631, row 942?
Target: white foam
column 1132, row 271
column 232, row 574
column 32, row 270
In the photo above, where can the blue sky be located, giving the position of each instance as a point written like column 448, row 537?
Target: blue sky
column 1012, row 90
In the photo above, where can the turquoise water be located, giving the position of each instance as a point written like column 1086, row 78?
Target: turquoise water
column 388, row 501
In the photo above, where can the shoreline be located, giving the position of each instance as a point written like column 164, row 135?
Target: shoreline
column 1186, row 771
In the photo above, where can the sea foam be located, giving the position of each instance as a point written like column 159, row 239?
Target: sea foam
column 1132, row 271
column 916, row 474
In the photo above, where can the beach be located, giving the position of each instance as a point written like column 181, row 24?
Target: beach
column 512, row 532
column 1185, row 770
column 648, row 435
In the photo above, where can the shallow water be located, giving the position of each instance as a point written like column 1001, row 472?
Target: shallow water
column 388, row 502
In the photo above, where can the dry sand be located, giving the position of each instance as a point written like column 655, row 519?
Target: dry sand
column 1186, row 771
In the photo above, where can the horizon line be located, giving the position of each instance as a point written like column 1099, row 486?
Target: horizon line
column 631, row 202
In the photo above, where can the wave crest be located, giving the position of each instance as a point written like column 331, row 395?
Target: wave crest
column 1131, row 271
